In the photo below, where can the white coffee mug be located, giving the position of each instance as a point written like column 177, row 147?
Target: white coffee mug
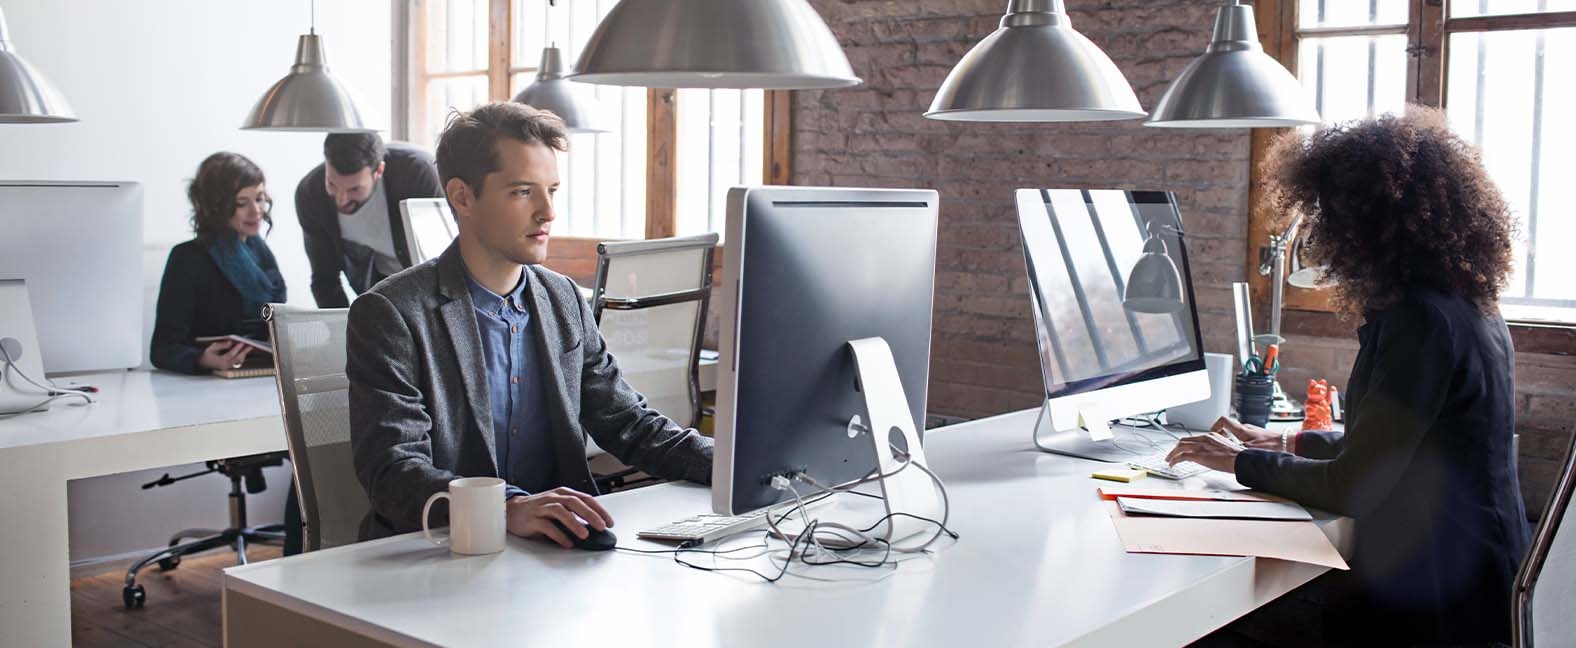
column 476, row 516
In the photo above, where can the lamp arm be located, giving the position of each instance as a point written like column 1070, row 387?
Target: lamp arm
column 1273, row 259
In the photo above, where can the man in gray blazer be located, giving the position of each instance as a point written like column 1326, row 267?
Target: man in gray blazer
column 483, row 363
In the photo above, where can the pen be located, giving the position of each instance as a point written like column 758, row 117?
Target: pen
column 1231, row 440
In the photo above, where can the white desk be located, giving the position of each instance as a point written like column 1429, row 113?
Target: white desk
column 142, row 420
column 1039, row 563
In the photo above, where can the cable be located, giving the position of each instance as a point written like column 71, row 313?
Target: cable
column 51, row 389
column 862, row 534
column 51, row 394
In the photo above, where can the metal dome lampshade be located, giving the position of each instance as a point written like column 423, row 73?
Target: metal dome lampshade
column 26, row 97
column 309, row 98
column 767, row 44
column 1154, row 285
column 1234, row 84
column 1035, row 68
column 552, row 92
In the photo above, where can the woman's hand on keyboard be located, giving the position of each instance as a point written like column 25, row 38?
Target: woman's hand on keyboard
column 1207, row 450
column 1251, row 436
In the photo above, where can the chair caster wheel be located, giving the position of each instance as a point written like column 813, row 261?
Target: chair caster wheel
column 133, row 596
column 167, row 564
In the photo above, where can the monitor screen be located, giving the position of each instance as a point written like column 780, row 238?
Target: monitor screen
column 433, row 227
column 1081, row 247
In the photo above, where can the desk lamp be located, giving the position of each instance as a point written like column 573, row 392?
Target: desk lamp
column 1273, row 259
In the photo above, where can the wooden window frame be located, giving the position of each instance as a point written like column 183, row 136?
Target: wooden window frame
column 576, row 256
column 1312, row 312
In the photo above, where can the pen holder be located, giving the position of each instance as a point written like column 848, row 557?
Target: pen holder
column 1252, row 398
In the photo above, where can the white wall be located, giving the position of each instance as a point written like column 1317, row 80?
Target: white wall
column 158, row 85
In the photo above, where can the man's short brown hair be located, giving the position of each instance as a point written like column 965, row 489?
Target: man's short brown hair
column 468, row 149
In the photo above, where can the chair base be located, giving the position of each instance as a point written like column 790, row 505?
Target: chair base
column 134, row 596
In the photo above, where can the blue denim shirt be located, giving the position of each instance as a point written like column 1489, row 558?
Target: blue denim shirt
column 515, row 387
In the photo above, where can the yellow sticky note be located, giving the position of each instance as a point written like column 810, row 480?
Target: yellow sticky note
column 1123, row 475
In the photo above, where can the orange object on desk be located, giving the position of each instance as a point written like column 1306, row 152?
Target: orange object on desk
column 1317, row 407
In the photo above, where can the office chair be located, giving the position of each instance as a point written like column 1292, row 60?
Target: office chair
column 314, row 399
column 1545, row 593
column 247, row 470
column 650, row 300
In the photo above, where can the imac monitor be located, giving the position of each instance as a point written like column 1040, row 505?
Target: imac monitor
column 78, row 245
column 20, row 360
column 429, row 227
column 1101, row 360
column 806, row 272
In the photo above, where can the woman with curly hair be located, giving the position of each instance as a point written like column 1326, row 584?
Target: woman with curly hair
column 217, row 283
column 1417, row 241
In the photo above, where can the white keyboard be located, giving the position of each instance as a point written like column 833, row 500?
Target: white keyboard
column 705, row 528
column 1156, row 465
column 702, row 529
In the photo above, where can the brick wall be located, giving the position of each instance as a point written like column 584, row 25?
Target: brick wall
column 983, row 357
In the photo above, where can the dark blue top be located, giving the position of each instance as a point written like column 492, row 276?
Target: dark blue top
column 1427, row 469
column 515, row 389
column 196, row 299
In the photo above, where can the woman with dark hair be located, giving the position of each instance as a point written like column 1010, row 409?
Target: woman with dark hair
column 217, row 283
column 1417, row 241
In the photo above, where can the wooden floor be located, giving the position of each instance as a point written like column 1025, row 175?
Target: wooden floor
column 182, row 607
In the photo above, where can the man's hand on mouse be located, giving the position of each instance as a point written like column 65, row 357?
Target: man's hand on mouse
column 531, row 516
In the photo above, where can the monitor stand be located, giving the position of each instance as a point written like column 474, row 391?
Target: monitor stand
column 1117, row 443
column 910, row 491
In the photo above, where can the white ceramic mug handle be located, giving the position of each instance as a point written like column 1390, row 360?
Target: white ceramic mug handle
column 426, row 531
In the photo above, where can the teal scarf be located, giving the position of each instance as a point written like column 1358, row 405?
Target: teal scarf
column 250, row 267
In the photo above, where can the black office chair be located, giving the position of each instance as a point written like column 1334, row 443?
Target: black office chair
column 248, row 469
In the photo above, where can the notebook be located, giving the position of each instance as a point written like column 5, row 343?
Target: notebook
column 244, row 372
column 255, row 344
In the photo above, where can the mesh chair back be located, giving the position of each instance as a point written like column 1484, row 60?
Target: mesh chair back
column 1545, row 605
column 309, row 355
column 650, row 302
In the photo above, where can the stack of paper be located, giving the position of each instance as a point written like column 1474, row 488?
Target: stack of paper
column 1218, row 523
column 1214, row 509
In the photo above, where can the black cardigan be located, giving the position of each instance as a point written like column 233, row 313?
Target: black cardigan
column 1426, row 467
column 408, row 172
column 196, row 300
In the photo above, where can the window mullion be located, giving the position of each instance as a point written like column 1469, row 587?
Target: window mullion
column 1426, row 74
column 500, row 41
column 661, row 164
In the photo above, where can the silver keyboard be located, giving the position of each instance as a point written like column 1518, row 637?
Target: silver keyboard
column 1156, row 465
column 705, row 528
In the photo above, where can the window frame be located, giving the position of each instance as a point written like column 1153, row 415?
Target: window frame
column 1428, row 30
column 576, row 256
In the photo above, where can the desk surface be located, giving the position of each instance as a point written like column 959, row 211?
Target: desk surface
column 142, row 420
column 130, row 402
column 1038, row 563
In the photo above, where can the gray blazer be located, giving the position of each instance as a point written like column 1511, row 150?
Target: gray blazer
column 419, row 408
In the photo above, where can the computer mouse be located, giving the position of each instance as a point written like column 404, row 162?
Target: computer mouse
column 596, row 541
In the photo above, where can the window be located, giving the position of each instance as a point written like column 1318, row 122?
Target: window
column 671, row 156
column 1497, row 68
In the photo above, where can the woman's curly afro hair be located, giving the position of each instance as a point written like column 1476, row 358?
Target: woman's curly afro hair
column 1394, row 202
